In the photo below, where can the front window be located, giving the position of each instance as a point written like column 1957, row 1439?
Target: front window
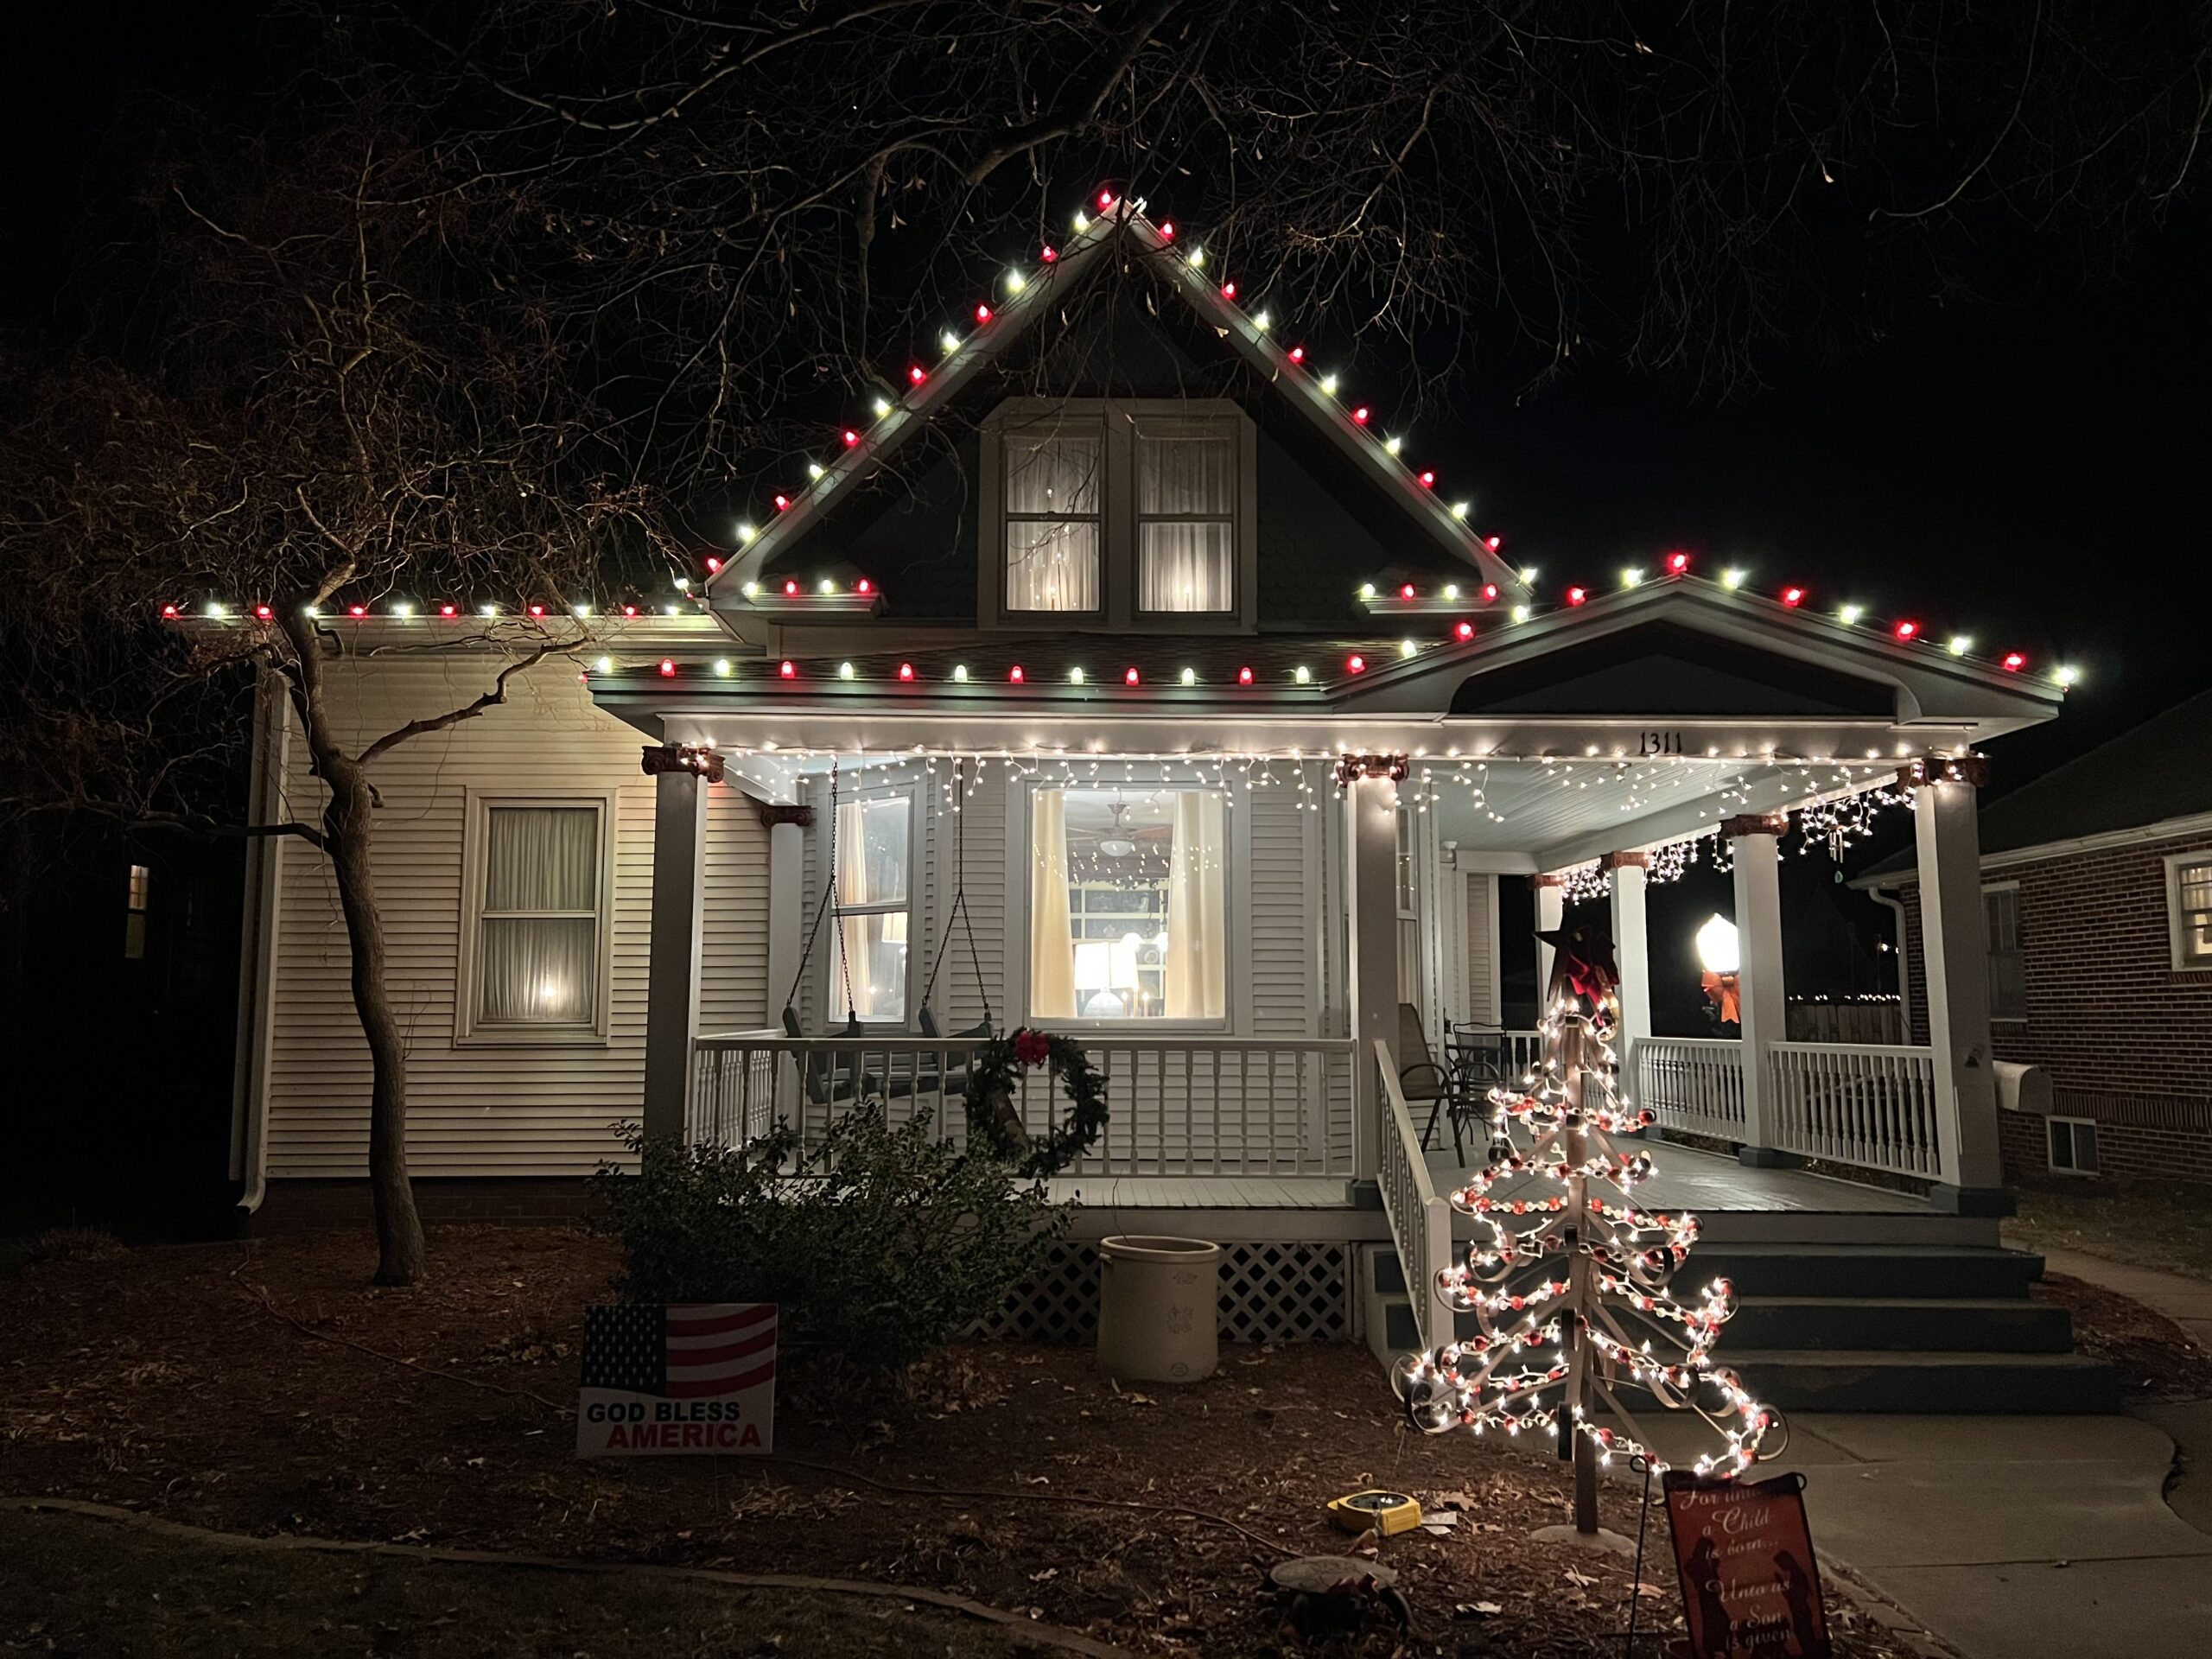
column 2189, row 902
column 1127, row 913
column 2008, row 974
column 539, row 918
column 875, row 841
column 1053, row 480
column 1186, row 521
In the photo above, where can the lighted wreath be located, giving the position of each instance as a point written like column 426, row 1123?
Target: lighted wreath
column 994, row 1121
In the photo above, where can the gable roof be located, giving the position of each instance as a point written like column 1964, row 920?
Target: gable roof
column 867, row 449
column 2159, row 770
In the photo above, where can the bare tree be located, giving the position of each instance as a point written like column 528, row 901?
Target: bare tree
column 318, row 398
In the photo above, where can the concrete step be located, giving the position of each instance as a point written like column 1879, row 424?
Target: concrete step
column 1886, row 1379
column 1863, row 1270
column 1989, row 1325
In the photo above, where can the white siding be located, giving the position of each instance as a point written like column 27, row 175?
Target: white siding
column 480, row 1109
column 733, row 990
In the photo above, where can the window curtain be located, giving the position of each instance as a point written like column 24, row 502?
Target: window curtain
column 538, row 954
column 1186, row 548
column 1197, row 929
column 1051, row 931
column 1051, row 532
column 872, row 848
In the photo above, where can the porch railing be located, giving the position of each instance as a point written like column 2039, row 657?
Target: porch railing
column 1419, row 1217
column 1692, row 1084
column 1856, row 1103
column 1177, row 1106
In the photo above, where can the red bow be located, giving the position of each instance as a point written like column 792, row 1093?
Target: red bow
column 1032, row 1047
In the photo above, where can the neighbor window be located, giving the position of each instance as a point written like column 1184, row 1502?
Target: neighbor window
column 134, row 918
column 875, row 845
column 2008, row 974
column 1134, row 512
column 1054, row 479
column 2188, row 909
column 1127, row 905
column 2073, row 1145
column 540, row 920
column 1408, row 906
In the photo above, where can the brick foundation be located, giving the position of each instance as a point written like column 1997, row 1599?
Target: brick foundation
column 295, row 1206
column 2125, row 1038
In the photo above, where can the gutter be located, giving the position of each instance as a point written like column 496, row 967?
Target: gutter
column 257, row 948
column 1894, row 905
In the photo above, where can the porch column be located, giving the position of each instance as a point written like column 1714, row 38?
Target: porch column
column 680, row 775
column 786, row 825
column 1631, row 955
column 1551, row 913
column 1370, row 786
column 1949, row 843
column 1760, row 994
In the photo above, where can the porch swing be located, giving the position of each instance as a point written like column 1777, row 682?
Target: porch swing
column 926, row 1015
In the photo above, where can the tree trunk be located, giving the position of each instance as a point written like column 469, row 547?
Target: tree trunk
column 348, row 826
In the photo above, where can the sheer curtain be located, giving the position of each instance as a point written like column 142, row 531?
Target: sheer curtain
column 1185, row 544
column 1197, row 929
column 537, row 957
column 872, row 849
column 1051, row 522
column 1052, row 932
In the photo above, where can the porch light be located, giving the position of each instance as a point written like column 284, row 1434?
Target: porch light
column 1718, row 949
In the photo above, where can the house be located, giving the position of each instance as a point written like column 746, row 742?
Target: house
column 1123, row 673
column 2096, row 893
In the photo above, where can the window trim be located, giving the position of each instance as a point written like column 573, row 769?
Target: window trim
column 1119, row 422
column 833, row 1017
column 2072, row 1169
column 1989, row 954
column 1236, row 977
column 468, row 1031
column 2177, row 933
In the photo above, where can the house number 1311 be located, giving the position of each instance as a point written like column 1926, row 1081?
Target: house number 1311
column 1659, row 743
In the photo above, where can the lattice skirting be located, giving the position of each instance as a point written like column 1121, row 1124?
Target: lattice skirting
column 1270, row 1292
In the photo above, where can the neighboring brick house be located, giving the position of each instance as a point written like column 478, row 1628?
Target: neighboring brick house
column 2097, row 906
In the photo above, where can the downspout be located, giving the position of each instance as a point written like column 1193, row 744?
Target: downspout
column 257, row 947
column 1894, row 905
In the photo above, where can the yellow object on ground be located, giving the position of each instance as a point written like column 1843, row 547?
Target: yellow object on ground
column 1386, row 1512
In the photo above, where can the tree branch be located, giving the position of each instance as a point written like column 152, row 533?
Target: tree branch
column 1081, row 109
column 491, row 699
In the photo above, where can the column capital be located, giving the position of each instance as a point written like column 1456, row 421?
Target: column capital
column 1350, row 766
column 1972, row 769
column 661, row 759
column 775, row 812
column 1625, row 861
column 1537, row 883
column 1754, row 823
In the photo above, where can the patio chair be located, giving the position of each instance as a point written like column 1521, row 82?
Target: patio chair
column 1422, row 1079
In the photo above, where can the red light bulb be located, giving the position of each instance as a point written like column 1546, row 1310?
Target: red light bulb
column 712, row 565
column 1907, row 630
column 667, row 668
column 863, row 586
column 1429, row 481
column 1406, row 592
column 788, row 669
column 782, row 503
column 1167, row 230
column 629, row 610
column 263, row 613
column 1678, row 563
column 1298, row 353
column 2014, row 662
column 1244, row 677
column 1129, row 677
column 851, row 437
column 1793, row 597
column 1358, row 665
column 1014, row 674
column 905, row 671
column 1464, row 630
column 1490, row 593
column 168, row 610
column 1051, row 254
column 1577, row 595
column 443, row 610
column 1359, row 415
column 790, row 588
column 982, row 314
column 363, row 610
column 1229, row 290
column 1493, row 542
column 1105, row 200
column 916, row 373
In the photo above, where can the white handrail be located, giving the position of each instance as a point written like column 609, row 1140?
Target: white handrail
column 1692, row 1084
column 1419, row 1217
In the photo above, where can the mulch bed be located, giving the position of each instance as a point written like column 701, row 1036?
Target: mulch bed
column 162, row 1381
column 2154, row 1356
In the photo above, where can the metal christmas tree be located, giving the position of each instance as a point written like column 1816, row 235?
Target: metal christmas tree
column 1572, row 1288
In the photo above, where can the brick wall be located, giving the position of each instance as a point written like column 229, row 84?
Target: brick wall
column 2126, row 1039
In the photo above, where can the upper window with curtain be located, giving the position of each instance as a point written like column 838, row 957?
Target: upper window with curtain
column 1137, row 513
column 875, row 845
column 539, row 920
column 1128, row 911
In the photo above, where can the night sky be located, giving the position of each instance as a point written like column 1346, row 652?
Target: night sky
column 2030, row 474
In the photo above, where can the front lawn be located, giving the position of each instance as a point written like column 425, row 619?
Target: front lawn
column 172, row 1382
column 2146, row 1223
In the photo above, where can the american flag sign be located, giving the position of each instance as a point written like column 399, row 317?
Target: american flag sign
column 695, row 1377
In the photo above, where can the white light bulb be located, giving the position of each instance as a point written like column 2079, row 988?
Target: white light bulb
column 1520, row 613
column 1197, row 258
column 1075, row 677
column 1407, row 648
column 1631, row 577
column 403, row 609
column 1528, row 575
column 1190, row 676
column 1367, row 590
column 1451, row 590
column 1082, row 221
column 1262, row 322
column 487, row 610
column 948, row 340
column 683, row 584
column 1850, row 614
column 1960, row 643
column 605, row 664
column 751, row 590
column 826, row 586
column 813, row 469
column 844, row 671
column 1015, row 281
column 581, row 610
column 1329, row 385
column 1391, row 446
column 1458, row 509
column 1732, row 577
column 960, row 672
column 2067, row 675
column 721, row 666
column 882, row 407
column 1304, row 676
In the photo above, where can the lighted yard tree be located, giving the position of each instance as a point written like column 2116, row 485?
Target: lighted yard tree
column 1573, row 1286
column 315, row 391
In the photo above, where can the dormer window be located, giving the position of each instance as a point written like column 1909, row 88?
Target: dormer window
column 1129, row 514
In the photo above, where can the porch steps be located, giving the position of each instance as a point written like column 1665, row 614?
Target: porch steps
column 1935, row 1326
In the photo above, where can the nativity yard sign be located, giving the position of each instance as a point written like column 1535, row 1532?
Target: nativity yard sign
column 695, row 1377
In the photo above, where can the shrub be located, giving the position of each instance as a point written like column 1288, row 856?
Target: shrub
column 75, row 1244
column 880, row 1245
